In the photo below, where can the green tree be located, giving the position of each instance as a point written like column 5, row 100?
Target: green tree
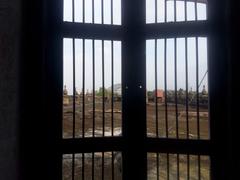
column 106, row 92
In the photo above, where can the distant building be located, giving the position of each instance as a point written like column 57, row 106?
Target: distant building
column 117, row 92
column 88, row 96
column 66, row 100
column 204, row 91
column 157, row 95
column 203, row 97
column 117, row 89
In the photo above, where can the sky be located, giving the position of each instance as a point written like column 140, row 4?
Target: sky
column 150, row 47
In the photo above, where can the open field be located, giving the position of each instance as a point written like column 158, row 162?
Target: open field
column 151, row 121
column 88, row 120
column 67, row 166
column 151, row 130
column 182, row 121
column 172, row 168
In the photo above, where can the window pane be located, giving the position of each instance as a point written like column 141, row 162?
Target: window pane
column 67, row 92
column 171, row 166
column 93, row 11
column 78, row 10
column 177, row 88
column 92, row 69
column 175, row 11
column 88, row 11
column 101, row 165
column 67, row 12
column 150, row 11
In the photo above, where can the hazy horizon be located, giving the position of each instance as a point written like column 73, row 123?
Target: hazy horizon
column 150, row 48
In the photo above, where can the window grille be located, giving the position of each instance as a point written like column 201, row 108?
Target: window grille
column 177, row 62
column 112, row 50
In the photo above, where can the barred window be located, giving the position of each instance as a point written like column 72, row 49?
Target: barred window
column 135, row 89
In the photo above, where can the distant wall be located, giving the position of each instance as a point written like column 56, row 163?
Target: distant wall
column 10, row 17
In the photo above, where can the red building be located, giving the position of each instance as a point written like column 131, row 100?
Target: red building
column 160, row 95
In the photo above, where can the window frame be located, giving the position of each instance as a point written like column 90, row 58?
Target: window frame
column 133, row 106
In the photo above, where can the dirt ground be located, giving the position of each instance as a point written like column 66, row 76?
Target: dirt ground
column 151, row 132
column 88, row 157
column 183, row 170
column 182, row 121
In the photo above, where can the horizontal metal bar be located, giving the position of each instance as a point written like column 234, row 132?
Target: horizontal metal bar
column 91, row 31
column 177, row 29
column 198, row 1
column 162, row 145
column 91, row 144
column 181, row 146
column 157, row 30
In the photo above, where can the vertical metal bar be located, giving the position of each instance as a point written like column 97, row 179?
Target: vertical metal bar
column 83, row 1
column 102, row 165
column 185, row 10
column 112, row 120
column 157, row 166
column 103, row 90
column 133, row 107
column 175, row 10
column 74, row 90
column 188, row 168
column 198, row 120
column 197, row 85
column 199, row 167
column 74, row 107
column 93, row 11
column 73, row 11
column 156, row 89
column 102, row 6
column 83, row 92
column 210, row 168
column 73, row 166
column 186, row 67
column 195, row 6
column 207, row 13
column 165, row 11
column 176, row 95
column 112, row 98
column 165, row 85
column 83, row 101
column 93, row 164
column 197, row 89
column 112, row 12
column 178, row 177
column 168, row 170
column 113, row 167
column 93, row 48
column 83, row 165
column 156, row 8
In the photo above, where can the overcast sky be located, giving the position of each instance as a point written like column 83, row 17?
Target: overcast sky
column 150, row 48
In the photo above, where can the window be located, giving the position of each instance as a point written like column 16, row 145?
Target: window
column 92, row 89
column 177, row 89
column 134, row 89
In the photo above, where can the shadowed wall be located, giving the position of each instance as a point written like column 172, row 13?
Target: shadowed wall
column 9, row 58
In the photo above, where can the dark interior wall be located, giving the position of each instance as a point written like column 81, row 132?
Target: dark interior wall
column 9, row 58
column 234, row 56
column 34, row 130
column 10, row 49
